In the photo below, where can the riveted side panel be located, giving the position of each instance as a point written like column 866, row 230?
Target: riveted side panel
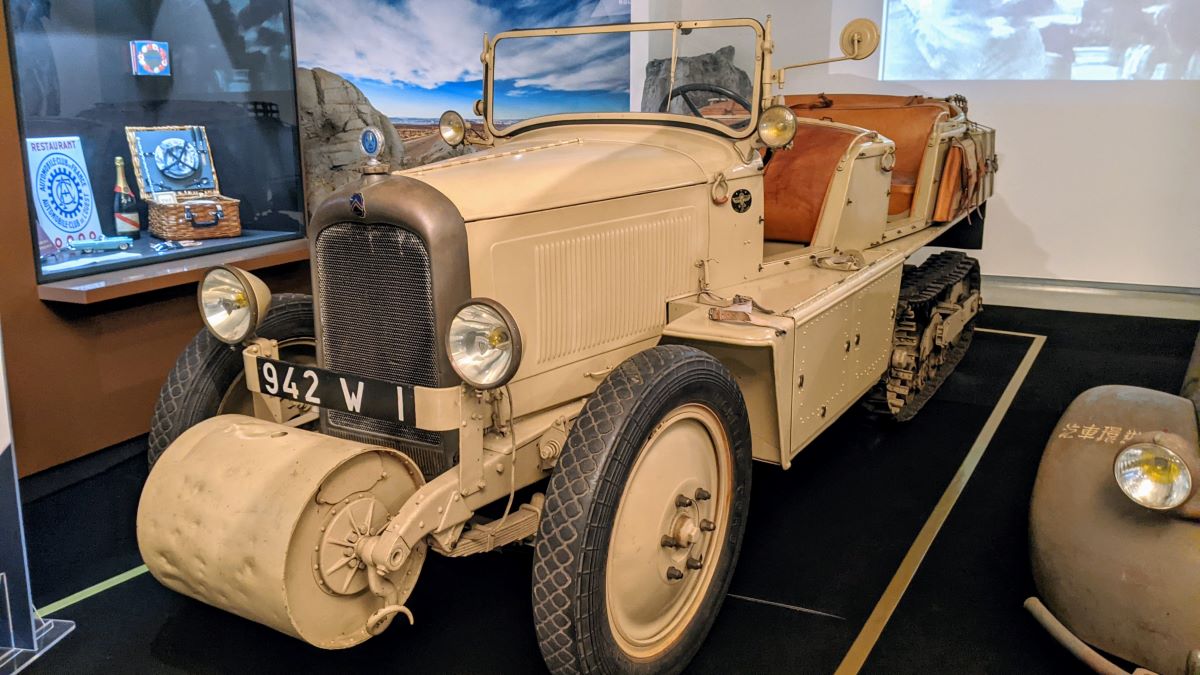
column 874, row 323
column 822, row 362
column 840, row 354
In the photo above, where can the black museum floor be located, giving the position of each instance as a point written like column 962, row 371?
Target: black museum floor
column 824, row 541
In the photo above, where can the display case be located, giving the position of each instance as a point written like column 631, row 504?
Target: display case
column 128, row 110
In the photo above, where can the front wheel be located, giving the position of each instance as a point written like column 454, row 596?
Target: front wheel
column 644, row 517
column 209, row 379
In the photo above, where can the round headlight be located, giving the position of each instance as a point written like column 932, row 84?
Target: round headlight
column 483, row 344
column 1153, row 476
column 777, row 126
column 453, row 128
column 232, row 303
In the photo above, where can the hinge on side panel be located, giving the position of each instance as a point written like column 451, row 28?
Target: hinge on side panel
column 702, row 265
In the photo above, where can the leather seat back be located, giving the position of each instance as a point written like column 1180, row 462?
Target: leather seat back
column 796, row 181
column 907, row 120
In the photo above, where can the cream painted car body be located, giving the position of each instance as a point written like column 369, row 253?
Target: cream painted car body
column 600, row 237
column 601, row 240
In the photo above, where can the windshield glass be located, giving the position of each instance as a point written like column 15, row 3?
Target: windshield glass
column 625, row 71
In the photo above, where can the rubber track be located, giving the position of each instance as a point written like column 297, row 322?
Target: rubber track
column 921, row 290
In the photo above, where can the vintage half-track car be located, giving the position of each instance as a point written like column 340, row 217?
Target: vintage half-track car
column 1114, row 528
column 613, row 311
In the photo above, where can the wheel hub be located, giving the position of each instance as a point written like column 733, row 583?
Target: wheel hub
column 668, row 531
column 687, row 530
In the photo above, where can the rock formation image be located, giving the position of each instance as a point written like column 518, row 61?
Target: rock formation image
column 712, row 68
column 333, row 113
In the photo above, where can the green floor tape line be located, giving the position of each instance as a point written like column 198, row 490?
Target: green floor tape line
column 91, row 590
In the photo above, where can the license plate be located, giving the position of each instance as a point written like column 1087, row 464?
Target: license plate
column 334, row 391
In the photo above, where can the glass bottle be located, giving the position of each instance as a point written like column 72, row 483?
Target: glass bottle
column 125, row 211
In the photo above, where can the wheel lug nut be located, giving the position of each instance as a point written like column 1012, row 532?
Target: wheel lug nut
column 674, row 574
column 682, row 501
column 669, row 542
column 707, row 525
column 694, row 563
column 702, row 495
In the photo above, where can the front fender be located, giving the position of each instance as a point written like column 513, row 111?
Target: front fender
column 1123, row 578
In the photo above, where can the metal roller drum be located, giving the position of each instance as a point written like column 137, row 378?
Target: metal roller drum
column 262, row 520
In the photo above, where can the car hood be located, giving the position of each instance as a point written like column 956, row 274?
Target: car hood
column 553, row 170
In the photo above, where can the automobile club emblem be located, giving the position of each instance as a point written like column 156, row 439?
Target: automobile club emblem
column 63, row 192
column 358, row 205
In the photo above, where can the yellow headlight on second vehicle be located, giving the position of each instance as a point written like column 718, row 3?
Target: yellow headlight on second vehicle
column 777, row 126
column 1153, row 476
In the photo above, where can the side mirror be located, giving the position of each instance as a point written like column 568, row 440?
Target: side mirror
column 860, row 39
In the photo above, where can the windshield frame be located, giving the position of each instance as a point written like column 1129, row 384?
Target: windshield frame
column 666, row 119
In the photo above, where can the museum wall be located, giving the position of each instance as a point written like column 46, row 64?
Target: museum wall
column 1097, row 180
column 81, row 377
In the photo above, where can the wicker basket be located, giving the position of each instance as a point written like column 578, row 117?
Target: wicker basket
column 185, row 214
column 203, row 217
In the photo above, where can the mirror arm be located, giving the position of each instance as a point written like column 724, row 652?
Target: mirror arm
column 779, row 78
column 860, row 39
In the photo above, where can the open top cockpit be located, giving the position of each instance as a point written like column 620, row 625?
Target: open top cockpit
column 809, row 185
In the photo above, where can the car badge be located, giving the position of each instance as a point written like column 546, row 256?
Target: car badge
column 358, row 205
column 741, row 200
column 371, row 141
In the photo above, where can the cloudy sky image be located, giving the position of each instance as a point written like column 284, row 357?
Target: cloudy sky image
column 418, row 58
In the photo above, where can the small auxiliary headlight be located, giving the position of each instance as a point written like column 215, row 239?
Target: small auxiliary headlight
column 453, row 128
column 483, row 344
column 1153, row 476
column 777, row 126
column 232, row 303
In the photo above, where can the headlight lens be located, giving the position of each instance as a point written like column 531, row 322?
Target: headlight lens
column 1153, row 476
column 777, row 126
column 229, row 304
column 452, row 128
column 483, row 344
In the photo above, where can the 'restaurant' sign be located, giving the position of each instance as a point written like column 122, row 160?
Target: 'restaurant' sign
column 62, row 190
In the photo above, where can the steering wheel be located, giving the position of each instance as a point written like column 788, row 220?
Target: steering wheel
column 684, row 89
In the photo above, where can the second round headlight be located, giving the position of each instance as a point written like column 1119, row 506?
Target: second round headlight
column 1153, row 476
column 483, row 344
column 453, row 128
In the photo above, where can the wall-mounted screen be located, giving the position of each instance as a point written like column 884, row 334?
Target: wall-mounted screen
column 1041, row 40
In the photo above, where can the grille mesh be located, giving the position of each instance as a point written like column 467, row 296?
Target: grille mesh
column 377, row 321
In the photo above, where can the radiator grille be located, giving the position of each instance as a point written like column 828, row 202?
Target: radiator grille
column 377, row 321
